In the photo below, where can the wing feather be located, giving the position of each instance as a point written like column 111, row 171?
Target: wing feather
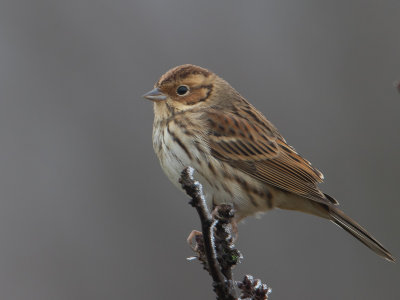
column 250, row 143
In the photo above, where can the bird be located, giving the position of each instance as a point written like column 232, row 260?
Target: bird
column 239, row 157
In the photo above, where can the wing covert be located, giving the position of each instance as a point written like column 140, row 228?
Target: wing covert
column 250, row 143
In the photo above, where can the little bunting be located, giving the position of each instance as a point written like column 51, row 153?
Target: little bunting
column 238, row 156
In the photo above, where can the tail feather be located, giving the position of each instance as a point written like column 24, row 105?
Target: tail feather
column 340, row 218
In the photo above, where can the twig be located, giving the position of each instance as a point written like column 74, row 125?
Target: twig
column 215, row 248
column 253, row 289
column 194, row 189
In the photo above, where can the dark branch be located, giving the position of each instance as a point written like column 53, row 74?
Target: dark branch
column 215, row 248
column 194, row 190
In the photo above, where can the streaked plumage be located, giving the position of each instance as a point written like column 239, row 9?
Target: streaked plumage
column 238, row 155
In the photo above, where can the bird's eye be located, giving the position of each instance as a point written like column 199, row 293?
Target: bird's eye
column 182, row 90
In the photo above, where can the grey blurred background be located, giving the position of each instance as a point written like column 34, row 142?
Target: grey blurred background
column 85, row 210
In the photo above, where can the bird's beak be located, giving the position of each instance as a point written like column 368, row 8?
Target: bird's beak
column 155, row 95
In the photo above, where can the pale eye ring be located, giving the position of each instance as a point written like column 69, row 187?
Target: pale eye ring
column 182, row 90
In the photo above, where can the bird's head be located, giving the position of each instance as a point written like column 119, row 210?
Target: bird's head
column 186, row 87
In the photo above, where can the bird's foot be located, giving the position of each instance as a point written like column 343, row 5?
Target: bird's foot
column 191, row 239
